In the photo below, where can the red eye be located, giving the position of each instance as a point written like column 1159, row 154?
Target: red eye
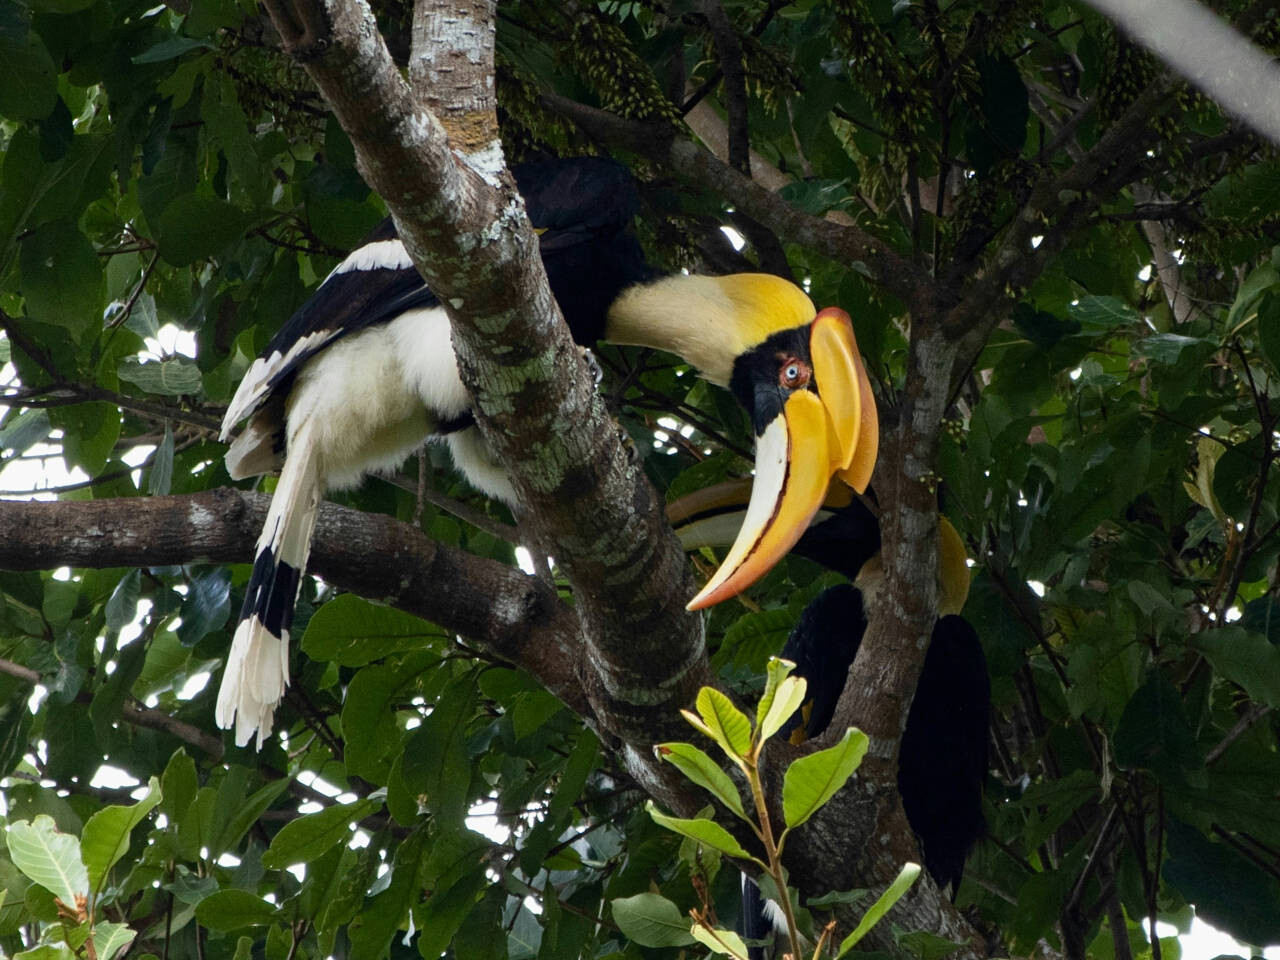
column 793, row 373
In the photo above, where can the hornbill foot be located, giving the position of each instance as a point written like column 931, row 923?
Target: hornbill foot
column 597, row 371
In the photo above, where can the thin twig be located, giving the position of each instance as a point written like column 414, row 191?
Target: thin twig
column 1251, row 716
column 459, row 509
column 129, row 304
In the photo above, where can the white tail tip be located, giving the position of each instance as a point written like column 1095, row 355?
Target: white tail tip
column 254, row 681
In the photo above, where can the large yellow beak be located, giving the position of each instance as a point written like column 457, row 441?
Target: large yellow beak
column 815, row 436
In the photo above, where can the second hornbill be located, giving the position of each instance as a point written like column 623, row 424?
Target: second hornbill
column 942, row 759
column 365, row 371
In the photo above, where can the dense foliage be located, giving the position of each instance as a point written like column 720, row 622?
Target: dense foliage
column 1109, row 456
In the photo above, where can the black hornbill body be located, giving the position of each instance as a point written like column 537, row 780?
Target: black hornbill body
column 365, row 371
column 942, row 759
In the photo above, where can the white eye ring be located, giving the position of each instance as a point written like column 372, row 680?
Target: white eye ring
column 792, row 372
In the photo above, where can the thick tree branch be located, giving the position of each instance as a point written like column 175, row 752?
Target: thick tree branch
column 729, row 50
column 513, row 615
column 845, row 242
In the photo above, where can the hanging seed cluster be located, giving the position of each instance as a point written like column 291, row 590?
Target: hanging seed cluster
column 528, row 127
column 900, row 101
column 601, row 53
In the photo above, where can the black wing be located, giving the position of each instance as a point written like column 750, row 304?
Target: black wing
column 583, row 209
column 942, row 764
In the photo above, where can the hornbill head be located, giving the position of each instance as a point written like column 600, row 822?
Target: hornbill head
column 798, row 373
column 814, row 417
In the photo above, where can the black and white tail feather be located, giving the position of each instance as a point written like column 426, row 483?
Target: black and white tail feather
column 257, row 670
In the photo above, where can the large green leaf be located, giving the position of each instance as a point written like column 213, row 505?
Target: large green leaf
column 719, row 719
column 386, row 913
column 353, row 632
column 1154, row 732
column 1248, row 659
column 171, row 378
column 368, row 717
column 778, row 704
column 707, row 832
column 240, row 813
column 812, row 780
column 703, row 771
column 195, row 228
column 651, row 920
column 107, row 833
column 234, row 910
column 49, row 857
column 1229, row 890
column 310, row 837
column 62, row 278
column 892, row 894
column 110, row 938
column 30, row 87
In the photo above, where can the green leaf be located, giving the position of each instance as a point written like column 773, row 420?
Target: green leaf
column 1153, row 732
column 206, row 606
column 1228, row 889
column 386, row 912
column 62, row 278
column 929, row 946
column 753, row 638
column 15, row 728
column 1148, row 599
column 110, row 938
column 1103, row 312
column 435, row 764
column 368, row 717
column 246, row 812
column 1248, row 659
column 234, row 909
column 783, row 702
column 1263, row 278
column 836, row 897
column 1166, row 348
column 707, row 832
column 160, row 480
column 171, row 48
column 122, row 605
column 720, row 941
column 353, row 632
column 90, row 432
column 170, row 378
column 812, row 780
column 454, row 897
column 106, row 834
column 30, row 87
column 143, row 320
column 815, row 197
column 194, row 228
column 703, row 771
column 724, row 722
column 901, row 884
column 29, row 427
column 310, row 837
column 49, row 857
column 46, row 951
column 1269, row 328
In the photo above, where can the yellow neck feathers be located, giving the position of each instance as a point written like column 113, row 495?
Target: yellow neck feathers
column 708, row 321
column 953, row 571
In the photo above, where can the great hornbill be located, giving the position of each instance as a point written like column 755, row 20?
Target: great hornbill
column 942, row 759
column 365, row 371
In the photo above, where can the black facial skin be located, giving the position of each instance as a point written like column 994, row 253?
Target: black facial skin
column 758, row 375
